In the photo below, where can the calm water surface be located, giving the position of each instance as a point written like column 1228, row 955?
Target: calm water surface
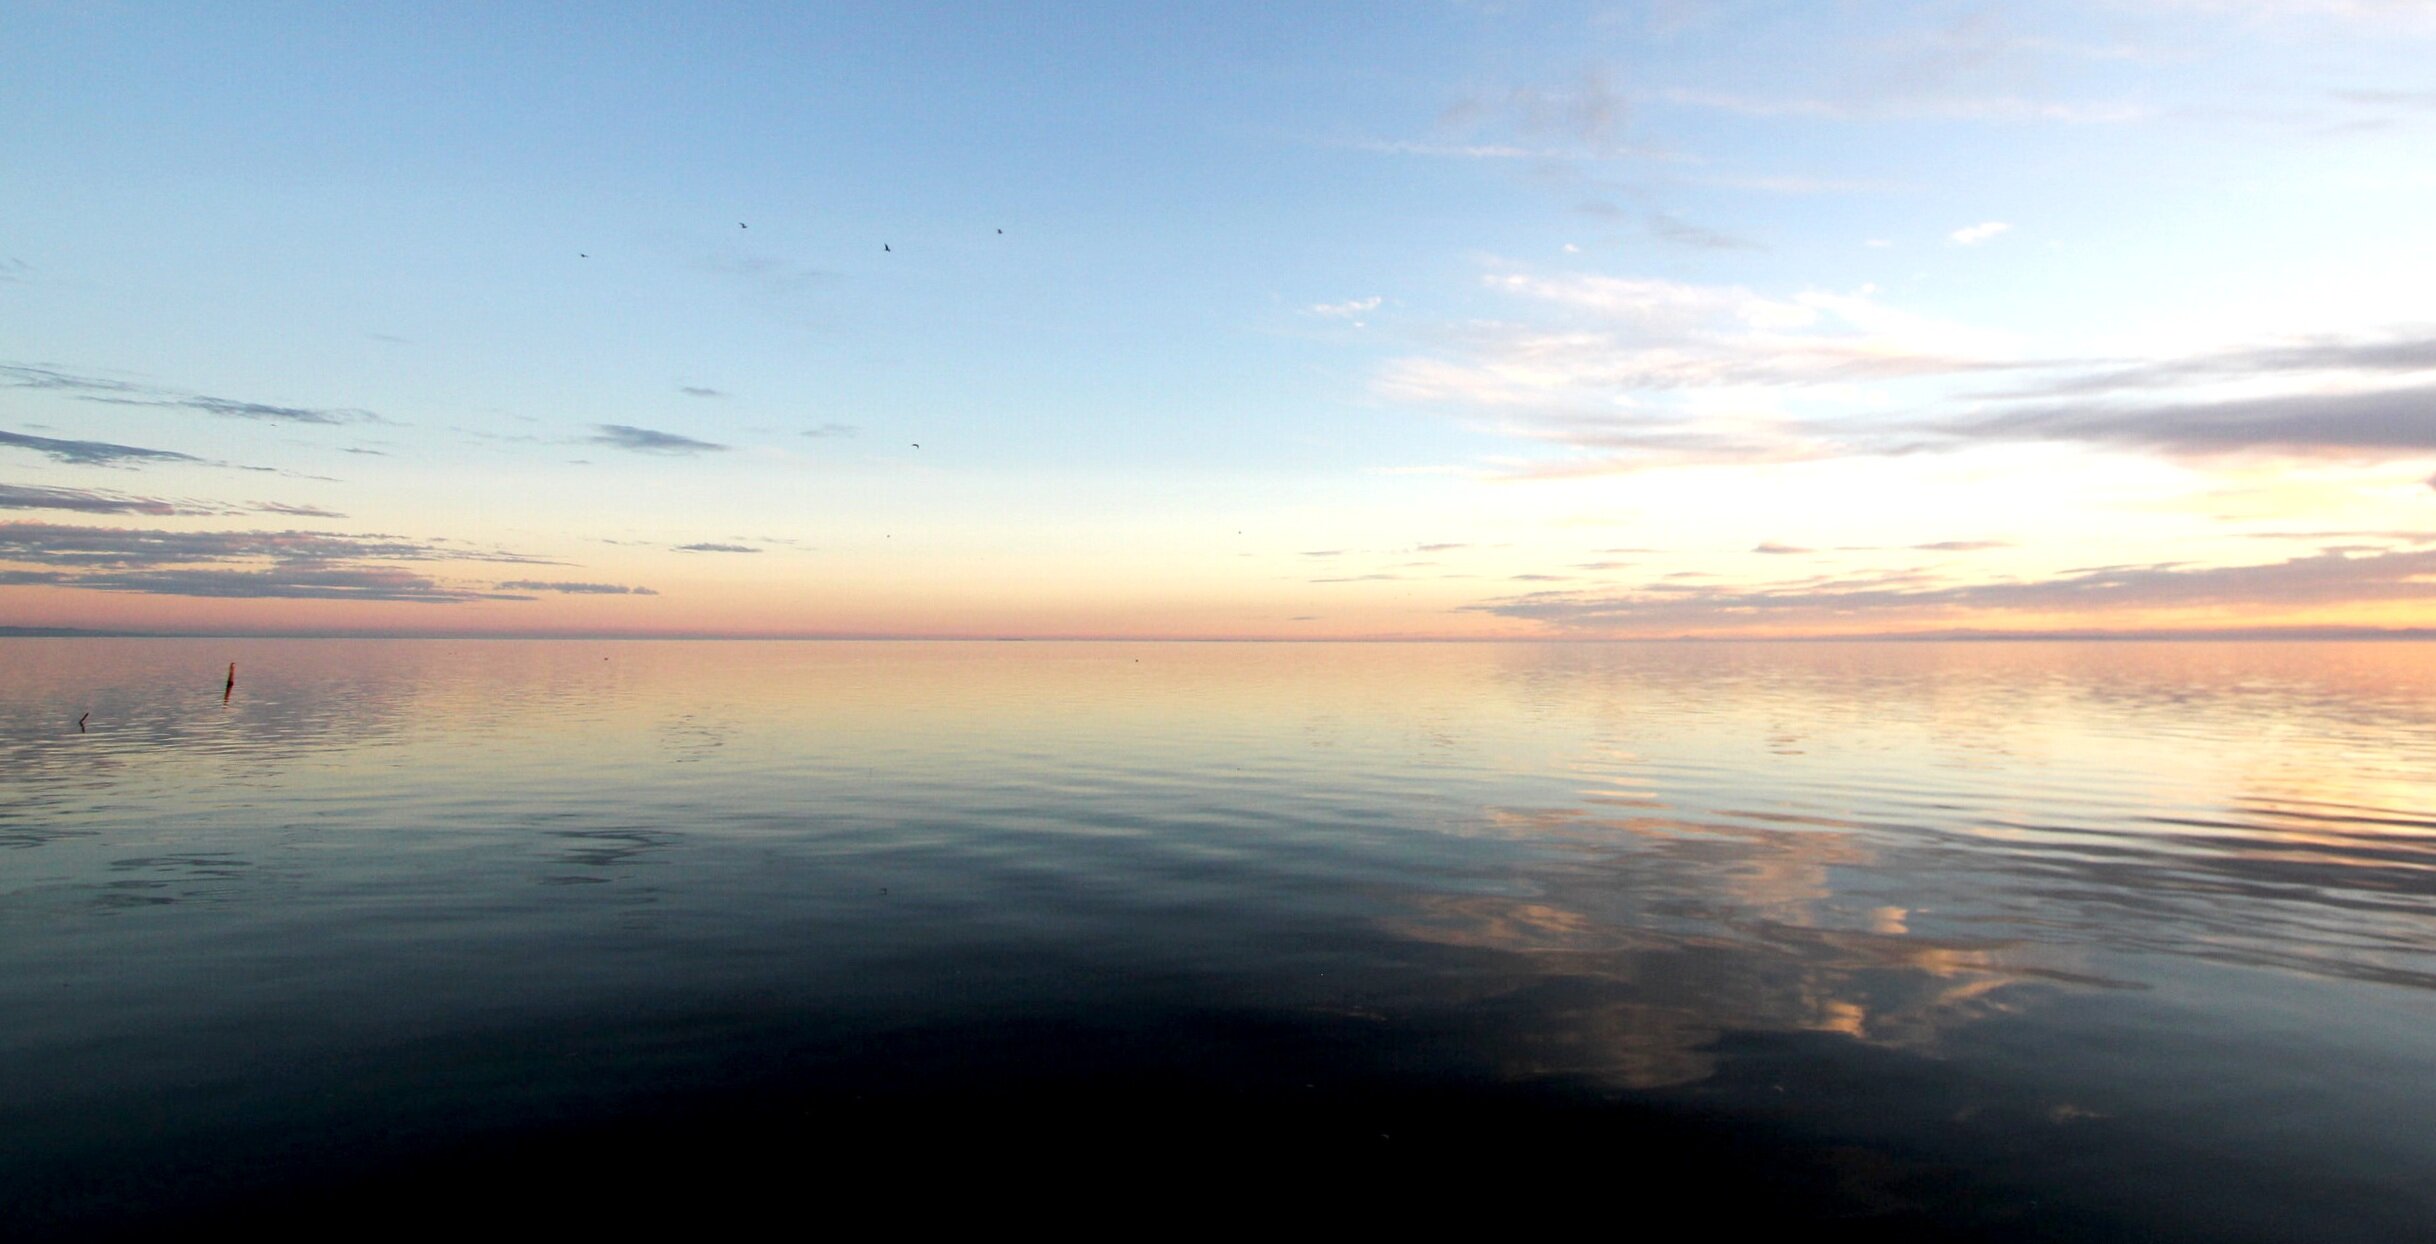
column 2008, row 941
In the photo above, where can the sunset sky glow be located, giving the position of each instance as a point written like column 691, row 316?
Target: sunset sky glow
column 1456, row 320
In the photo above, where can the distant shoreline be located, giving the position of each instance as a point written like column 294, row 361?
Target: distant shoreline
column 2285, row 634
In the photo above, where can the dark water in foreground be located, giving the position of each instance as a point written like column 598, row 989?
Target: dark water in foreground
column 2008, row 941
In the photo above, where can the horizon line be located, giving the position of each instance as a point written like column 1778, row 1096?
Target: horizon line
column 2082, row 635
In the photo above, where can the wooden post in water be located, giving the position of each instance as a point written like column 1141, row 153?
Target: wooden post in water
column 231, row 688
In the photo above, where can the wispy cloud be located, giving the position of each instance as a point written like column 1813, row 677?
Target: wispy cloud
column 832, row 429
column 650, row 441
column 294, row 565
column 1352, row 308
column 128, row 393
column 85, row 500
column 1602, row 363
column 575, row 589
column 106, row 501
column 288, row 582
column 1684, row 234
column 692, row 390
column 2377, row 423
column 1793, row 183
column 58, row 544
column 2313, row 358
column 1973, row 235
column 1465, row 151
column 2389, row 98
column 1990, row 108
column 91, row 453
column 1905, row 598
column 716, row 548
column 1588, row 112
column 772, row 282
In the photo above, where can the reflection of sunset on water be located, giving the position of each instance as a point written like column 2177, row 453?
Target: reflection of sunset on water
column 2066, row 907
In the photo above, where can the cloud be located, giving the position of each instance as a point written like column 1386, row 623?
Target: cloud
column 2319, row 357
column 1648, row 333
column 1351, row 309
column 264, row 410
column 648, row 441
column 2369, row 398
column 126, row 393
column 698, row 391
column 2388, row 98
column 104, row 501
column 716, row 548
column 1992, row 108
column 298, row 565
column 1973, row 235
column 1683, row 234
column 832, row 429
column 1589, row 112
column 769, row 283
column 2409, row 537
column 2323, row 579
column 2376, row 423
column 1612, row 364
column 1465, row 151
column 59, row 544
column 91, row 453
column 85, row 500
column 22, row 376
column 1794, row 183
column 290, row 582
column 1771, row 546
column 575, row 589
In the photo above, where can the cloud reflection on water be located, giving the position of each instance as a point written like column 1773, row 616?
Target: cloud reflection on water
column 1976, row 872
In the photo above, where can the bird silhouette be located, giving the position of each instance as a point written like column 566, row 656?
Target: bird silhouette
column 883, row 246
column 740, row 224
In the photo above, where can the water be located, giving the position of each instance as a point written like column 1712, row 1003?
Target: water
column 2004, row 941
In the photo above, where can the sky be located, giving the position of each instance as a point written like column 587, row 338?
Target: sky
column 1456, row 320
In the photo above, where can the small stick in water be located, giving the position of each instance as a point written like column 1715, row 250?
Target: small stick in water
column 231, row 688
column 80, row 723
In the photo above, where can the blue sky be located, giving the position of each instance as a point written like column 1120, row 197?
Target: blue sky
column 1463, row 319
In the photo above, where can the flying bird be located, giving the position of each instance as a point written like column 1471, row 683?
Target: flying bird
column 883, row 246
column 740, row 224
